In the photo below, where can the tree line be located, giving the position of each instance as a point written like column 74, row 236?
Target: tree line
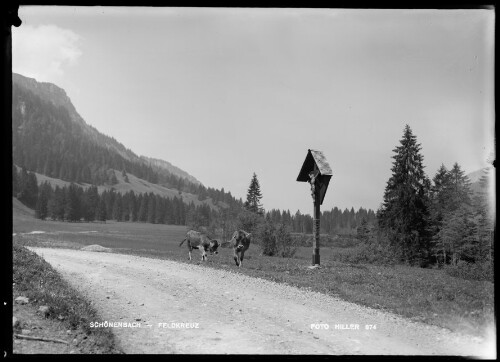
column 75, row 203
column 332, row 222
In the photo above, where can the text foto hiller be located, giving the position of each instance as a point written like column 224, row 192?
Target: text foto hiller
column 334, row 326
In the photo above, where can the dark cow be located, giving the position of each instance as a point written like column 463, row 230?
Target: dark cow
column 197, row 240
column 240, row 243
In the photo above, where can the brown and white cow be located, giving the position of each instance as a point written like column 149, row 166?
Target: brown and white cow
column 197, row 240
column 240, row 242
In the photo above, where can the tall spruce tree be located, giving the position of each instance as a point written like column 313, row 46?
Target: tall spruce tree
column 72, row 205
column 460, row 192
column 28, row 193
column 362, row 231
column 117, row 208
column 132, row 207
column 151, row 208
column 44, row 194
column 253, row 197
column 404, row 212
column 440, row 192
column 101, row 210
column 143, row 207
column 458, row 235
column 56, row 204
column 452, row 222
column 91, row 201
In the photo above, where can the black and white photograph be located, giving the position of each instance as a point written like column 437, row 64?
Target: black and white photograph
column 253, row 181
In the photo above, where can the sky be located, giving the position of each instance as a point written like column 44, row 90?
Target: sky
column 224, row 93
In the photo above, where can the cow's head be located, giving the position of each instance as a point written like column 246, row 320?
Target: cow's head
column 238, row 238
column 214, row 244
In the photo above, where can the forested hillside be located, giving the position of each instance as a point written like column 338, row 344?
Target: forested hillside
column 50, row 138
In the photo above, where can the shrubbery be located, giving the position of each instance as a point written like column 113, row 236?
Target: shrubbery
column 249, row 221
column 276, row 240
column 343, row 241
column 471, row 271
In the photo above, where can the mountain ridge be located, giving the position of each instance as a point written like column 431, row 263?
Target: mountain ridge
column 162, row 164
column 58, row 97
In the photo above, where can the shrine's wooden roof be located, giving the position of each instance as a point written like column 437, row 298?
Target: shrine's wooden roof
column 314, row 157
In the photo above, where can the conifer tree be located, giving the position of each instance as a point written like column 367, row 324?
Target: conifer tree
column 182, row 212
column 72, row 206
column 91, row 203
column 101, row 210
column 56, row 204
column 151, row 208
column 125, row 176
column 28, row 188
column 404, row 212
column 109, row 199
column 117, row 208
column 253, row 197
column 362, row 231
column 44, row 194
column 352, row 218
column 452, row 222
column 113, row 180
column 458, row 235
column 460, row 192
column 132, row 207
column 440, row 194
column 160, row 210
column 143, row 208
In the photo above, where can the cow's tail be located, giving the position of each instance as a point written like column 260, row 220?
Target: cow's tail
column 182, row 242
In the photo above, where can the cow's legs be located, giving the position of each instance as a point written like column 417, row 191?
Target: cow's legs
column 241, row 258
column 203, row 255
column 189, row 250
column 236, row 258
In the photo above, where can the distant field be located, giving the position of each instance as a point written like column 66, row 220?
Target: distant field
column 420, row 294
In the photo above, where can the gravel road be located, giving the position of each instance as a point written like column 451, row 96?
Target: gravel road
column 226, row 312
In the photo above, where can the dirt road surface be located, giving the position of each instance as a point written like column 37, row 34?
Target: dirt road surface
column 226, row 312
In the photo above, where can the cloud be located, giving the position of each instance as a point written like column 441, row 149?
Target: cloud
column 44, row 52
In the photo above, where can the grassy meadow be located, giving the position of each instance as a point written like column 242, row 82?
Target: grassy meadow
column 426, row 295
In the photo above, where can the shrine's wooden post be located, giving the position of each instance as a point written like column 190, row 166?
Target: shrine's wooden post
column 317, row 172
